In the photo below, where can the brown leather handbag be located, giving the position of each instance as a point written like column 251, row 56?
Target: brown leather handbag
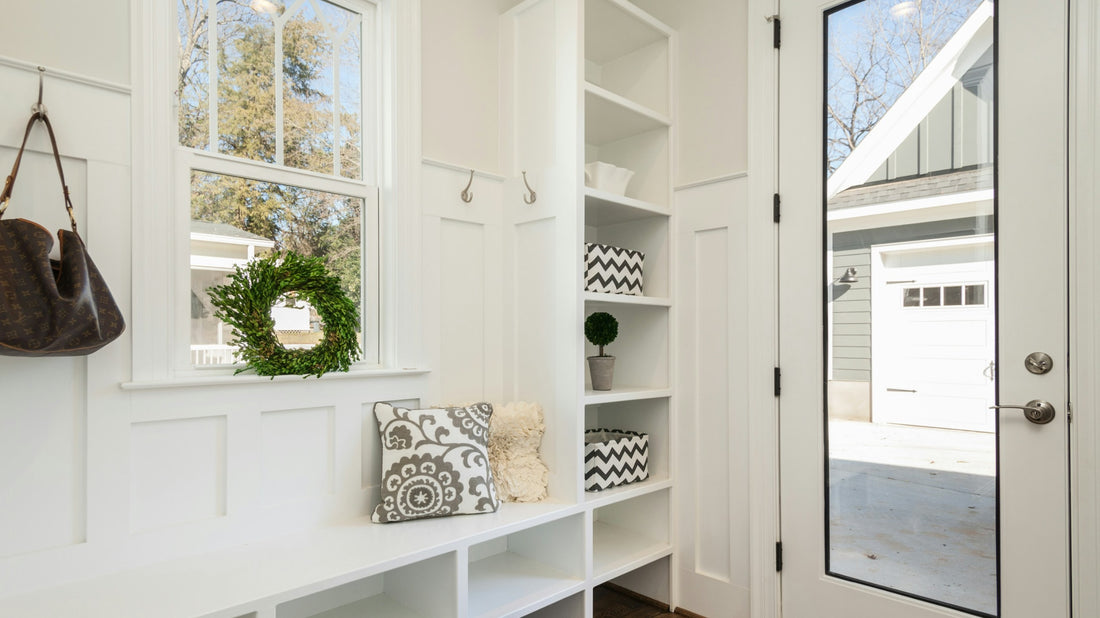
column 50, row 307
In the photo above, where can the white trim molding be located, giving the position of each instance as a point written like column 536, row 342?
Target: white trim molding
column 1084, row 286
column 763, row 182
column 76, row 78
column 711, row 181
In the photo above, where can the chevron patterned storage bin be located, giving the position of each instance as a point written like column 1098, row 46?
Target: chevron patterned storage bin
column 614, row 457
column 613, row 270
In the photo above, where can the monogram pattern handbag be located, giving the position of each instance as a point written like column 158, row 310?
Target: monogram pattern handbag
column 50, row 307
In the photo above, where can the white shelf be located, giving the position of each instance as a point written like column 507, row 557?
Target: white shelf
column 624, row 393
column 609, row 117
column 627, row 299
column 618, row 550
column 505, row 584
column 614, row 28
column 275, row 571
column 604, row 208
column 626, row 492
column 378, row 606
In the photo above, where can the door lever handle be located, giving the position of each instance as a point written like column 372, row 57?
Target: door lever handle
column 1037, row 411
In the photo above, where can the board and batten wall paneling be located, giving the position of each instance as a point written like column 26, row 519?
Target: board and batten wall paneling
column 713, row 296
column 464, row 271
column 43, row 446
column 64, row 418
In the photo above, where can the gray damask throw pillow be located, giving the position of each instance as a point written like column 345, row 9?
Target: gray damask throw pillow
column 435, row 462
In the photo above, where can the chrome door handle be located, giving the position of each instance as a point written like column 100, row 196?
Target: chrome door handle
column 1037, row 411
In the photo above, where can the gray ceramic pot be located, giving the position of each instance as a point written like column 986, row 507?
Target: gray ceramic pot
column 602, row 369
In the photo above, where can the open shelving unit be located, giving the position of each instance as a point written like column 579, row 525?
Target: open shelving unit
column 397, row 593
column 629, row 121
column 627, row 535
column 522, row 571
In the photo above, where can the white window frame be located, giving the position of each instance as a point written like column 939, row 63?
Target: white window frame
column 161, row 194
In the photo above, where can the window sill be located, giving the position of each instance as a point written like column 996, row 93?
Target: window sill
column 231, row 380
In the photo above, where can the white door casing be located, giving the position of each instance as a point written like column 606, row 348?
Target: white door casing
column 1031, row 287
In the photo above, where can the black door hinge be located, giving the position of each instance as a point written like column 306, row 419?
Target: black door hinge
column 776, row 27
column 778, row 379
column 775, row 207
column 778, row 556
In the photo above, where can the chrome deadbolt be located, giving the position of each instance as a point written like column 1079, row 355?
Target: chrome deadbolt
column 1037, row 411
column 1039, row 363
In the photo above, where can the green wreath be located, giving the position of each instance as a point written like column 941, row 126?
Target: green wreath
column 245, row 304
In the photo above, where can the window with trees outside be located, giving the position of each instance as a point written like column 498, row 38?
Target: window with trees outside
column 277, row 144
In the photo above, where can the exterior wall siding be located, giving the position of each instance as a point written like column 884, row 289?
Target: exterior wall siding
column 850, row 334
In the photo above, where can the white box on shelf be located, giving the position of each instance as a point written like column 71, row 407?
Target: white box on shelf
column 614, row 457
column 607, row 177
column 612, row 270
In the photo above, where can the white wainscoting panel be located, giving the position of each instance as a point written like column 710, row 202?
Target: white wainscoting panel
column 43, row 450
column 297, row 455
column 711, row 436
column 178, row 471
column 462, row 310
column 463, row 283
column 712, row 267
column 534, row 311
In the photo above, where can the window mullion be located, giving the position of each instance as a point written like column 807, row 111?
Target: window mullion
column 265, row 172
column 212, row 72
column 278, row 23
column 338, row 40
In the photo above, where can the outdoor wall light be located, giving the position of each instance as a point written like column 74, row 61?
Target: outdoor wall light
column 849, row 276
column 274, row 9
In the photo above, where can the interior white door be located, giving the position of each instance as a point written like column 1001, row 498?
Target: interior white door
column 882, row 519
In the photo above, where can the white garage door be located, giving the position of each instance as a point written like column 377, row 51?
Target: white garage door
column 932, row 339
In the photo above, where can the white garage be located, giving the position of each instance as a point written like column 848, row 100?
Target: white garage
column 933, row 333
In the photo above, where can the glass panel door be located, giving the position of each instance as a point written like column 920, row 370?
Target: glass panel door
column 910, row 299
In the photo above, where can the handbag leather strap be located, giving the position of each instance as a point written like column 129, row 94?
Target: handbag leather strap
column 5, row 196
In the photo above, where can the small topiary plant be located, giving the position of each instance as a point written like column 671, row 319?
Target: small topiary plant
column 601, row 329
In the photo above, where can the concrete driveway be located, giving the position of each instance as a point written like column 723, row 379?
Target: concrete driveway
column 914, row 509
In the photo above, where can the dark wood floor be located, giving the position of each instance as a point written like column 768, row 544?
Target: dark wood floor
column 608, row 603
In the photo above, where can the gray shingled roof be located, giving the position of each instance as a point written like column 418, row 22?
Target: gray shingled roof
column 913, row 188
column 223, row 229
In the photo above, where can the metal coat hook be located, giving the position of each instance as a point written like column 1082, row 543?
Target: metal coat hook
column 39, row 108
column 467, row 195
column 534, row 196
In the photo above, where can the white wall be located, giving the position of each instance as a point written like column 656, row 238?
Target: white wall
column 712, row 115
column 460, row 71
column 48, row 33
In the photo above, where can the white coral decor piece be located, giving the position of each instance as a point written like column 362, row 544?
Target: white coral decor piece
column 515, row 434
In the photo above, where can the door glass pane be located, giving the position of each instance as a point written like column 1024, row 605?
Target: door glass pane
column 911, row 481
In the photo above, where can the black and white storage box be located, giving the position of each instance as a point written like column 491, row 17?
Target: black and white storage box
column 612, row 270
column 614, row 457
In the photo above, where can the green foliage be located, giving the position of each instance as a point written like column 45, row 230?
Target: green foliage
column 601, row 329
column 245, row 301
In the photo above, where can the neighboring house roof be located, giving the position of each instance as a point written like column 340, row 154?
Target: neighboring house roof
column 224, row 230
column 958, row 181
column 961, row 51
